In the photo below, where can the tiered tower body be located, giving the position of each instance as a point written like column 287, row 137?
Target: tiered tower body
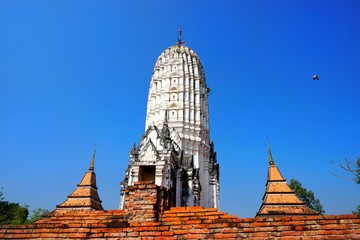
column 175, row 150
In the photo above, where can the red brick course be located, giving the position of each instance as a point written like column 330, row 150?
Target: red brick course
column 184, row 223
column 181, row 223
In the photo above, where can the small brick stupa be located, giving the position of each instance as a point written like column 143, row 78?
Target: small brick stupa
column 279, row 199
column 85, row 196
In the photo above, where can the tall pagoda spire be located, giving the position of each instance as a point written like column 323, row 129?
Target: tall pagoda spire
column 175, row 150
column 279, row 199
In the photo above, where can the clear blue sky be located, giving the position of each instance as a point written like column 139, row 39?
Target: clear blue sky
column 76, row 73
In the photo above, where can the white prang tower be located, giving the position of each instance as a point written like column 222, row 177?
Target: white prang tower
column 175, row 150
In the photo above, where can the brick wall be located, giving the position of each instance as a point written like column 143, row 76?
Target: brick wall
column 185, row 223
column 145, row 201
column 200, row 223
column 146, row 218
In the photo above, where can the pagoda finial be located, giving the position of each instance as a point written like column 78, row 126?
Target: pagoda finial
column 271, row 160
column 91, row 168
column 179, row 43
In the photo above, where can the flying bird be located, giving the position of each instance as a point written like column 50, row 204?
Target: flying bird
column 315, row 77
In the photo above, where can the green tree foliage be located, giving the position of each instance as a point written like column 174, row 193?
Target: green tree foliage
column 37, row 214
column 357, row 211
column 12, row 213
column 307, row 196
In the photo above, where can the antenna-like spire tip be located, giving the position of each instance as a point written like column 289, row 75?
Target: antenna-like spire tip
column 271, row 160
column 91, row 168
column 180, row 42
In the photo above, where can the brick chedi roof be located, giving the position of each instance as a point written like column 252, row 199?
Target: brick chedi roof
column 85, row 196
column 279, row 198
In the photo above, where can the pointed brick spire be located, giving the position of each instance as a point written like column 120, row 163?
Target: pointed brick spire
column 85, row 196
column 91, row 168
column 271, row 160
column 279, row 199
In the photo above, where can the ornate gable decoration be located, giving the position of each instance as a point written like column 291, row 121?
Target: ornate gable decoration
column 149, row 154
column 152, row 132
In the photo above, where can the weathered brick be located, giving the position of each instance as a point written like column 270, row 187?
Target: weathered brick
column 166, row 238
column 114, row 234
column 265, row 229
column 334, row 226
column 260, row 224
column 192, row 222
column 54, row 235
column 150, row 234
column 185, row 214
column 225, row 235
column 248, row 230
column 181, row 232
column 230, row 230
column 169, row 219
column 150, row 224
column 186, row 227
column 228, row 216
column 142, row 229
column 211, row 213
column 167, row 233
column 22, row 236
column 328, row 232
column 198, row 231
column 176, row 222
column 195, row 236
column 168, row 215
column 292, row 233
column 132, row 234
column 163, row 228
column 259, row 234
